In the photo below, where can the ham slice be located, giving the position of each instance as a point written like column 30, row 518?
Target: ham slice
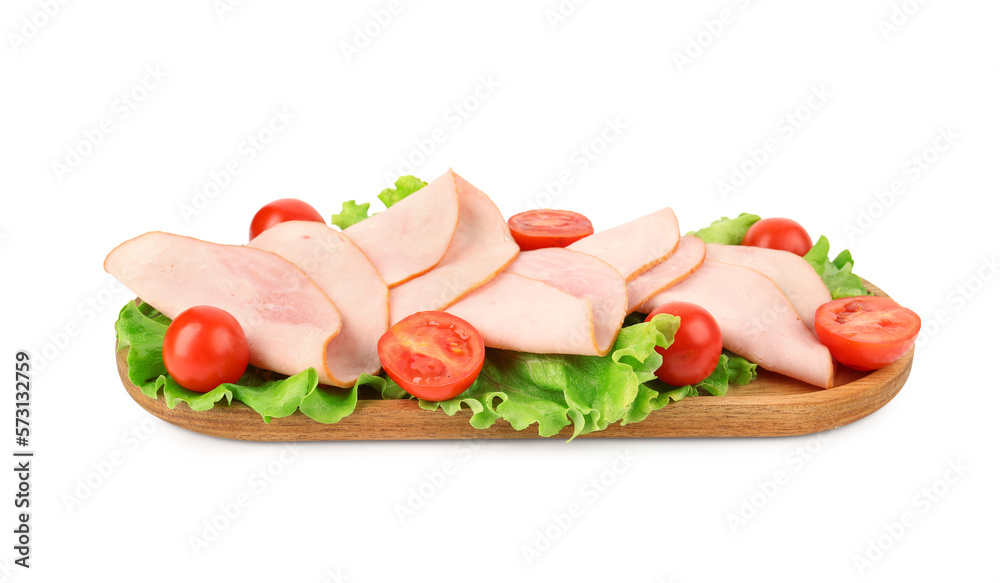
column 514, row 312
column 348, row 278
column 756, row 319
column 635, row 246
column 289, row 322
column 793, row 275
column 412, row 236
column 481, row 248
column 687, row 258
column 582, row 276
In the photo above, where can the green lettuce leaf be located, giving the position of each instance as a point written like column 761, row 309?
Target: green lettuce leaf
column 836, row 274
column 554, row 391
column 350, row 213
column 655, row 394
column 587, row 392
column 140, row 328
column 727, row 231
column 405, row 186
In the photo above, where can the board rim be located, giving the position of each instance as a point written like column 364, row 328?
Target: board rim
column 733, row 415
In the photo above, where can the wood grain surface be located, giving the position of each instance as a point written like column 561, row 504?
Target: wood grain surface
column 772, row 405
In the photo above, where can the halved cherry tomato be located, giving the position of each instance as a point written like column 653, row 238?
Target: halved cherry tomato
column 866, row 332
column 205, row 346
column 281, row 210
column 548, row 228
column 434, row 356
column 697, row 345
column 778, row 233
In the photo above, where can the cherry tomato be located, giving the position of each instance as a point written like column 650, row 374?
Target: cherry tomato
column 204, row 347
column 548, row 228
column 777, row 233
column 866, row 332
column 433, row 355
column 279, row 211
column 697, row 345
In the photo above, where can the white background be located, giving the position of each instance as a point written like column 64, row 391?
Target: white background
column 332, row 511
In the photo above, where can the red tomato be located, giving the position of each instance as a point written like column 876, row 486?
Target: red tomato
column 204, row 347
column 433, row 355
column 866, row 332
column 697, row 345
column 279, row 211
column 548, row 228
column 776, row 233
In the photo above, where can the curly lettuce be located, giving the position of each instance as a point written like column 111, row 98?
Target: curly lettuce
column 140, row 328
column 585, row 392
column 352, row 213
column 550, row 390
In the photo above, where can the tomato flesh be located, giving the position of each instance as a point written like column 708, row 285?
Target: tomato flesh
column 778, row 233
column 205, row 346
column 543, row 228
column 696, row 348
column 279, row 211
column 434, row 356
column 866, row 332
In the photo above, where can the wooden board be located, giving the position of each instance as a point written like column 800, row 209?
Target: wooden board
column 772, row 405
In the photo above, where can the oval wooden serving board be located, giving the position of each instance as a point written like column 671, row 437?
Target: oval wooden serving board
column 772, row 405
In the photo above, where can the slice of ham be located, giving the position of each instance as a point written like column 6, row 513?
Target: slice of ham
column 481, row 248
column 793, row 275
column 514, row 312
column 686, row 259
column 635, row 246
column 756, row 319
column 348, row 278
column 412, row 236
column 582, row 276
column 289, row 322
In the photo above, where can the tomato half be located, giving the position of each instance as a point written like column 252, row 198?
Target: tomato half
column 778, row 233
column 866, row 332
column 542, row 228
column 279, row 211
column 204, row 347
column 697, row 345
column 433, row 355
